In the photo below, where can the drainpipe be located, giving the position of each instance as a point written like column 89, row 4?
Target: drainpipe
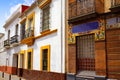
column 106, row 47
column 66, row 37
column 62, row 35
column 61, row 39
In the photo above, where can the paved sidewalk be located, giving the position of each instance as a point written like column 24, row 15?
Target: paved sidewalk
column 10, row 77
column 1, row 79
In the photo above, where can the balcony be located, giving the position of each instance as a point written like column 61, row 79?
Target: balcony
column 7, row 43
column 14, row 40
column 115, row 6
column 84, row 9
column 29, row 32
column 29, row 37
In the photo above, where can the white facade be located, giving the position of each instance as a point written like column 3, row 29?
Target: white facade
column 55, row 40
column 1, row 42
column 10, row 25
column 2, row 51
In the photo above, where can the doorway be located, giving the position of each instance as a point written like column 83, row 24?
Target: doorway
column 15, row 62
column 85, row 54
column 21, row 60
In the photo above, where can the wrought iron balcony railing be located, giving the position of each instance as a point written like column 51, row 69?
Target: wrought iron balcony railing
column 28, row 37
column 14, row 39
column 81, row 8
column 7, row 43
column 115, row 3
column 29, row 32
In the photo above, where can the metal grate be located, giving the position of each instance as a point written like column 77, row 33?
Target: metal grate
column 85, row 53
column 81, row 8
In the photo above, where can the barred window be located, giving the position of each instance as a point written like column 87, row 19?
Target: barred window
column 16, row 29
column 45, row 23
column 30, row 23
column 45, row 59
column 29, row 60
column 22, row 32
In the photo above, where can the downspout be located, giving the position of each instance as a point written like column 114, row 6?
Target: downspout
column 62, row 35
column 105, row 20
column 66, row 37
column 106, row 48
column 61, row 39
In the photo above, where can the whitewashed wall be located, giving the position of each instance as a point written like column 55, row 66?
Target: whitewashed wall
column 2, row 44
column 13, row 50
column 12, row 28
column 57, row 21
column 55, row 40
column 2, row 52
column 3, row 56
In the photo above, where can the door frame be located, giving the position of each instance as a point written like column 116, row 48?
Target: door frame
column 77, row 70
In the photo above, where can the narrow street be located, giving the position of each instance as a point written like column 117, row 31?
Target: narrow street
column 60, row 40
column 1, row 79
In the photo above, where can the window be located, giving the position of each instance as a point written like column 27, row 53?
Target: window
column 45, row 58
column 29, row 60
column 7, row 42
column 85, row 53
column 21, row 60
column 30, row 25
column 8, row 34
column 30, row 22
column 16, row 29
column 22, row 32
column 45, row 23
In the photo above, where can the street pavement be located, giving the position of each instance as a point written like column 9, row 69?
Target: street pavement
column 1, row 79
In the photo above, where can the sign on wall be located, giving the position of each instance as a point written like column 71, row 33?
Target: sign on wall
column 113, row 23
column 96, row 27
column 85, row 27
